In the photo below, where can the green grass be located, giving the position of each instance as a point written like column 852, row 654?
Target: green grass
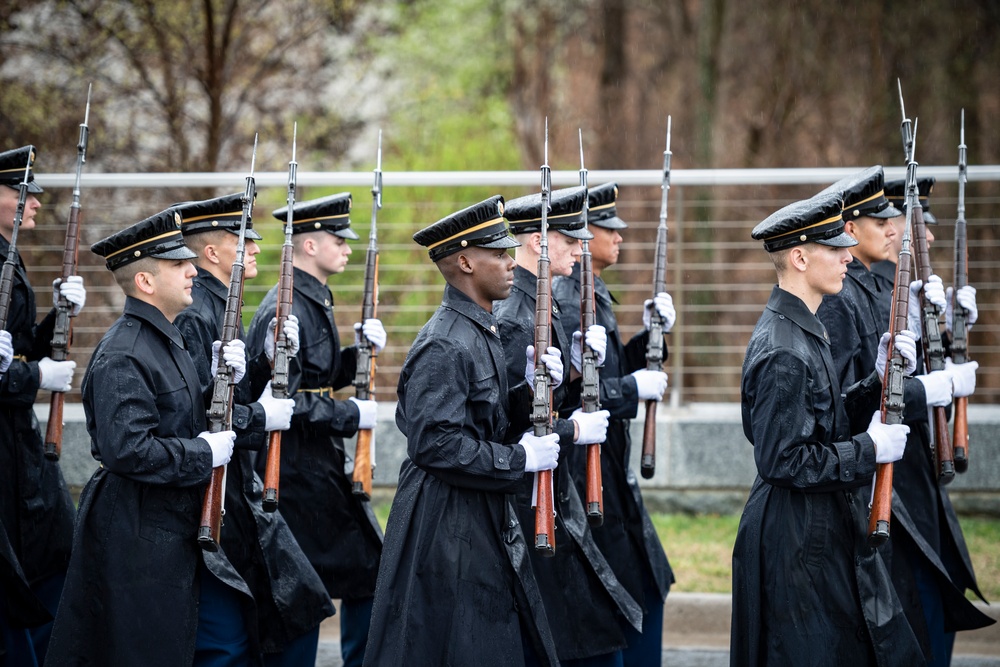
column 700, row 549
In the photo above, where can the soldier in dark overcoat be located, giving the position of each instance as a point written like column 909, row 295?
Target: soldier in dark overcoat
column 584, row 601
column 35, row 505
column 931, row 567
column 807, row 588
column 336, row 529
column 291, row 600
column 456, row 586
column 139, row 589
column 627, row 538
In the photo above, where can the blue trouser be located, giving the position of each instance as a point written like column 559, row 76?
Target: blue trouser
column 298, row 652
column 645, row 649
column 222, row 635
column 932, row 607
column 355, row 619
column 48, row 592
column 16, row 647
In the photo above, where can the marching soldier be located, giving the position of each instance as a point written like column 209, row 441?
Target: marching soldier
column 806, row 586
column 456, row 585
column 337, row 531
column 627, row 539
column 290, row 599
column 35, row 505
column 139, row 588
column 583, row 599
column 931, row 568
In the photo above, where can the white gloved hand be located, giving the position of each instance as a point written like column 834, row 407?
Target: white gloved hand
column 938, row 387
column 592, row 426
column 72, row 290
column 235, row 356
column 966, row 298
column 277, row 411
column 889, row 439
column 540, row 452
column 291, row 331
column 367, row 413
column 933, row 292
column 664, row 306
column 597, row 340
column 221, row 444
column 55, row 375
column 552, row 360
column 906, row 344
column 963, row 377
column 650, row 384
column 374, row 332
column 6, row 350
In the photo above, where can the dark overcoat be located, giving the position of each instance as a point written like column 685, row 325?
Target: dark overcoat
column 583, row 598
column 35, row 504
column 456, row 585
column 291, row 599
column 132, row 590
column 852, row 321
column 336, row 529
column 807, row 590
column 627, row 539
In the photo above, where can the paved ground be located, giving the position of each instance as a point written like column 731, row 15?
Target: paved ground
column 696, row 634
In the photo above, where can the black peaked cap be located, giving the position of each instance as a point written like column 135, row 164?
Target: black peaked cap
column 479, row 225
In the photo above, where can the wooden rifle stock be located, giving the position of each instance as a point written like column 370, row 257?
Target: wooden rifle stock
column 541, row 406
column 62, row 331
column 959, row 326
column 364, row 380
column 654, row 348
column 590, row 383
column 279, row 368
column 220, row 410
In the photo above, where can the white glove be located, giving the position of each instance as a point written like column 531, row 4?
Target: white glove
column 552, row 361
column 540, row 452
column 966, row 298
column 664, row 306
column 938, row 387
column 277, row 411
column 235, row 356
column 373, row 331
column 650, row 384
column 889, row 439
column 291, row 331
column 597, row 340
column 6, row 351
column 367, row 413
column 906, row 344
column 593, row 426
column 963, row 377
column 72, row 290
column 933, row 292
column 221, row 444
column 55, row 375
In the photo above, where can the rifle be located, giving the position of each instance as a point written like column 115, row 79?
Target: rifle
column 959, row 325
column 541, row 405
column 279, row 371
column 933, row 347
column 654, row 348
column 220, row 411
column 364, row 378
column 588, row 364
column 7, row 273
column 880, row 509
column 62, row 332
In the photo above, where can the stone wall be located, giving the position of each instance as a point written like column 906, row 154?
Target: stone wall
column 704, row 464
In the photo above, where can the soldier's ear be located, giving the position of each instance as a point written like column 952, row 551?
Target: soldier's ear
column 144, row 282
column 463, row 263
column 798, row 258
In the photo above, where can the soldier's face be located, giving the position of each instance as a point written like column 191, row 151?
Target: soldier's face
column 493, row 271
column 563, row 253
column 8, row 209
column 172, row 283
column 875, row 238
column 604, row 247
column 333, row 254
column 827, row 267
column 226, row 250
